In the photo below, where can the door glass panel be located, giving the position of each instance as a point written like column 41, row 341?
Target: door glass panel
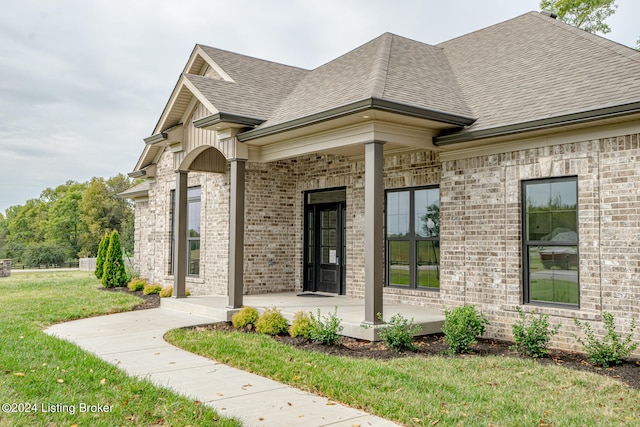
column 399, row 273
column 329, row 236
column 310, row 238
column 331, row 196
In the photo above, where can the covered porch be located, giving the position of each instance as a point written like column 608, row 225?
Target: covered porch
column 350, row 311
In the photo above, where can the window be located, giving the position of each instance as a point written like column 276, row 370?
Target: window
column 550, row 241
column 413, row 238
column 193, row 231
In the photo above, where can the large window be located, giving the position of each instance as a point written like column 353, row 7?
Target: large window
column 550, row 241
column 193, row 231
column 413, row 238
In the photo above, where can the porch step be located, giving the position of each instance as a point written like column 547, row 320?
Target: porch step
column 217, row 312
column 350, row 311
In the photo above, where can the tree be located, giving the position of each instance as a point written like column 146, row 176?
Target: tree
column 114, row 274
column 102, row 254
column 588, row 15
column 103, row 210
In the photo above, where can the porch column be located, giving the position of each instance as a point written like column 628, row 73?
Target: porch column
column 180, row 235
column 236, row 233
column 373, row 229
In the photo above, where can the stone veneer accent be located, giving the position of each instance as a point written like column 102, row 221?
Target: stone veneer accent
column 480, row 226
column 5, row 267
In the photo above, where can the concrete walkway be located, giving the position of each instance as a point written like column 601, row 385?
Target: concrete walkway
column 134, row 342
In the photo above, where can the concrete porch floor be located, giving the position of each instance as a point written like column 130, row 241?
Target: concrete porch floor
column 349, row 310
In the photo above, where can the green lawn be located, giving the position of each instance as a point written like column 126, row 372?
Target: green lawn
column 41, row 374
column 444, row 391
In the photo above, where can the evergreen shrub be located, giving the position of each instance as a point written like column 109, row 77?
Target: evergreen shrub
column 398, row 332
column 102, row 254
column 532, row 334
column 245, row 318
column 326, row 329
column 461, row 327
column 114, row 274
column 612, row 349
column 271, row 322
column 151, row 289
column 136, row 284
column 301, row 325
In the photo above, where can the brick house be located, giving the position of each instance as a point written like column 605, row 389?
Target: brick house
column 499, row 169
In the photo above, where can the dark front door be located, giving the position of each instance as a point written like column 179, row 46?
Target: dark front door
column 324, row 255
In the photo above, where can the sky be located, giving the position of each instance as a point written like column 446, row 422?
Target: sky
column 82, row 82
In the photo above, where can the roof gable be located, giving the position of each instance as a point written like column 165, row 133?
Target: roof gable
column 389, row 68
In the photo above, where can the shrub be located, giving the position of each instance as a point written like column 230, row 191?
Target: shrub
column 325, row 330
column 166, row 291
column 301, row 325
column 114, row 274
column 461, row 327
column 136, row 284
column 151, row 289
column 532, row 334
column 245, row 318
column 102, row 254
column 398, row 332
column 271, row 322
column 612, row 349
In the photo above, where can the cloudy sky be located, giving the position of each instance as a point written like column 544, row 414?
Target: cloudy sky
column 82, row 82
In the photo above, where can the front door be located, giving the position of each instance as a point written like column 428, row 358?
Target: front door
column 325, row 263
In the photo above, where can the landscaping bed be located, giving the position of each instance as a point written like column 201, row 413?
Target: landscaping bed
column 434, row 345
column 428, row 345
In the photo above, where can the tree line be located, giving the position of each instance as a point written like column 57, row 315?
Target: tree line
column 67, row 222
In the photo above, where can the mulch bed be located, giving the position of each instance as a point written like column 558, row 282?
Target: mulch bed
column 429, row 345
column 148, row 301
column 434, row 345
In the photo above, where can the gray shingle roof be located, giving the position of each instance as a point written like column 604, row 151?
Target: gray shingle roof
column 389, row 67
column 260, row 86
column 534, row 67
column 526, row 69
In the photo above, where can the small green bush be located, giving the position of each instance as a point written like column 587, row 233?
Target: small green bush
column 245, row 318
column 325, row 329
column 612, row 349
column 271, row 322
column 301, row 325
column 398, row 332
column 166, row 291
column 114, row 274
column 151, row 289
column 136, row 284
column 532, row 334
column 102, row 254
column 461, row 327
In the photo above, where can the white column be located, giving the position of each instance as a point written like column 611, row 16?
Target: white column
column 373, row 232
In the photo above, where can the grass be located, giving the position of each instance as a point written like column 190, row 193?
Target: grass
column 431, row 390
column 48, row 373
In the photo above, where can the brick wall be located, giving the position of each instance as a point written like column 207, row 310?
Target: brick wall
column 481, row 231
column 480, row 226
